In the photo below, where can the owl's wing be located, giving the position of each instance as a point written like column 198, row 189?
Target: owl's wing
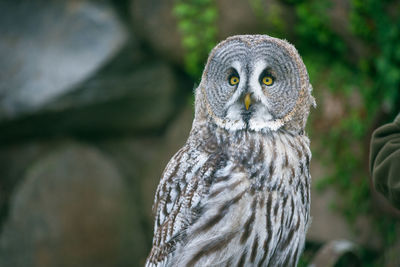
column 183, row 183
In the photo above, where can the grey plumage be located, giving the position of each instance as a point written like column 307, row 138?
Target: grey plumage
column 238, row 192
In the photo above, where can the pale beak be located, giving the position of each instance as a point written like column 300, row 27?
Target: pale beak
column 247, row 101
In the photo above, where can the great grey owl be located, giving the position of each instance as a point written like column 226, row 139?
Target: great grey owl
column 238, row 192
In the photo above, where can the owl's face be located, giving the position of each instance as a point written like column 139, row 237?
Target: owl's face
column 253, row 82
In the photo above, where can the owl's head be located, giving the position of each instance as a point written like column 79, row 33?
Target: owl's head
column 254, row 82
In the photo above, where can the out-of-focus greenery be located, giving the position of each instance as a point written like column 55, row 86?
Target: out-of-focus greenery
column 374, row 77
column 371, row 22
column 271, row 16
column 197, row 25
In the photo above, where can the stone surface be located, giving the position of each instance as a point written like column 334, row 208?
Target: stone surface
column 154, row 22
column 72, row 209
column 48, row 48
column 114, row 102
column 14, row 160
column 142, row 161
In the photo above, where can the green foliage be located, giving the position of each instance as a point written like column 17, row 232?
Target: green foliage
column 269, row 13
column 376, row 78
column 370, row 21
column 197, row 24
column 344, row 141
column 315, row 29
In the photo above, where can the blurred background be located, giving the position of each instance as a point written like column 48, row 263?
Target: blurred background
column 96, row 96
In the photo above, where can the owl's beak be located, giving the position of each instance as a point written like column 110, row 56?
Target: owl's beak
column 247, row 101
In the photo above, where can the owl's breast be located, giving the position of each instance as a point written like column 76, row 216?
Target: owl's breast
column 242, row 225
column 255, row 210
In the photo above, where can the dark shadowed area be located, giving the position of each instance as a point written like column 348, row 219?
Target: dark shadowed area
column 96, row 96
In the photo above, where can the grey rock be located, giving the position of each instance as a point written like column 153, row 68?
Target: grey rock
column 154, row 22
column 14, row 160
column 71, row 209
column 142, row 160
column 129, row 101
column 48, row 48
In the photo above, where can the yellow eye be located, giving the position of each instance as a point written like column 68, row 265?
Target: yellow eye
column 233, row 80
column 268, row 80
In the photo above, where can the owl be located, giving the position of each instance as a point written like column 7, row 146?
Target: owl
column 238, row 192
